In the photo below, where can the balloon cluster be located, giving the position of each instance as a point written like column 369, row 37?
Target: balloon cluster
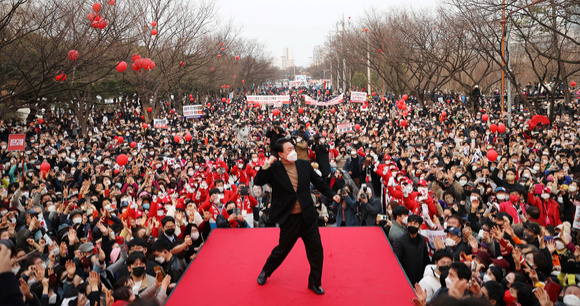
column 97, row 21
column 154, row 31
column 142, row 63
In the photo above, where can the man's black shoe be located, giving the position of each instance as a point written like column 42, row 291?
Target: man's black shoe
column 318, row 290
column 262, row 278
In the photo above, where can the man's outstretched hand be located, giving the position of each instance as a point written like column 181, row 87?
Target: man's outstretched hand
column 336, row 198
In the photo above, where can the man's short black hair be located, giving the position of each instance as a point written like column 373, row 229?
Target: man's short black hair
column 133, row 257
column 137, row 242
column 400, row 211
column 415, row 218
column 160, row 246
column 278, row 147
column 463, row 271
column 533, row 212
column 217, row 182
column 441, row 254
column 167, row 219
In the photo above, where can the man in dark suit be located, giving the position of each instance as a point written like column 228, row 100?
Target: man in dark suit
column 293, row 209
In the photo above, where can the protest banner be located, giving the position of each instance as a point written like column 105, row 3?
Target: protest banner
column 16, row 142
column 430, row 236
column 358, row 97
column 192, row 111
column 160, row 123
column 344, row 128
column 270, row 100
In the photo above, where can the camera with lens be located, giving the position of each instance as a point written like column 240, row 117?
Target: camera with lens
column 363, row 195
column 245, row 191
column 343, row 191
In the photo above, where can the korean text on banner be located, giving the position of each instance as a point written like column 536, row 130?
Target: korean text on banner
column 160, row 123
column 272, row 100
column 309, row 100
column 576, row 223
column 335, row 101
column 16, row 142
column 431, row 236
column 358, row 97
column 344, row 128
column 192, row 111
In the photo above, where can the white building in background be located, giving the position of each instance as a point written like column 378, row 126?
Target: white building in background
column 317, row 55
column 287, row 59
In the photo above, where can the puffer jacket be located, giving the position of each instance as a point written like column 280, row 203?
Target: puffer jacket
column 414, row 257
column 430, row 282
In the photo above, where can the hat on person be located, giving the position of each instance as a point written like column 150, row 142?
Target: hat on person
column 240, row 161
column 501, row 262
column 62, row 230
column 454, row 231
column 87, row 247
column 499, row 188
column 470, row 184
column 74, row 213
column 533, row 227
column 484, row 257
column 422, row 183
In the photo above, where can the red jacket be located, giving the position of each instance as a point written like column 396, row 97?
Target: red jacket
column 549, row 210
column 509, row 208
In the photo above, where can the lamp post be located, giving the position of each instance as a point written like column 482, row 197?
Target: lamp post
column 366, row 30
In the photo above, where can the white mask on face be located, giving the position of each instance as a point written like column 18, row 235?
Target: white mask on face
column 190, row 173
column 221, row 188
column 545, row 196
column 195, row 236
column 450, row 242
column 500, row 197
column 560, row 245
column 160, row 260
column 292, row 156
column 487, row 278
column 463, row 182
column 448, row 282
column 571, row 300
column 77, row 220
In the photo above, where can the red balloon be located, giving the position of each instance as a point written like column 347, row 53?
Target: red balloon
column 573, row 84
column 120, row 139
column 142, row 117
column 135, row 66
column 332, row 111
column 44, row 167
column 383, row 98
column 40, row 120
column 444, row 114
column 182, row 63
column 191, row 99
column 257, row 105
column 484, row 118
column 327, row 92
column 448, row 100
column 154, row 23
column 92, row 16
column 237, row 57
column 492, row 155
column 357, row 126
column 191, row 96
column 275, row 112
column 219, row 56
column 404, row 123
column 176, row 138
column 404, row 107
column 364, row 106
column 96, row 7
column 493, row 128
column 324, row 134
column 172, row 111
column 121, row 66
column 111, row 2
column 243, row 81
column 221, row 44
column 400, row 105
column 133, row 144
column 223, row 99
column 144, row 125
column 223, row 49
column 122, row 160
column 167, row 103
column 501, row 128
column 149, row 109
column 405, row 97
column 60, row 77
column 208, row 105
column 102, row 23
column 154, row 32
column 135, row 57
column 374, row 94
column 211, row 68
column 300, row 110
column 73, row 55
column 187, row 137
column 379, row 50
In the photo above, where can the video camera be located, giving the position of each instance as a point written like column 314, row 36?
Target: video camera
column 245, row 191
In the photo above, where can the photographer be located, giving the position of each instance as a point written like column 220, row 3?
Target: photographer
column 346, row 209
column 275, row 133
column 368, row 205
column 232, row 218
column 245, row 202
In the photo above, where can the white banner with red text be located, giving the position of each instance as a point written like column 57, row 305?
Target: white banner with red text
column 358, row 97
column 271, row 100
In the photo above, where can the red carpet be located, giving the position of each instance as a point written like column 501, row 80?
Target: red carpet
column 359, row 269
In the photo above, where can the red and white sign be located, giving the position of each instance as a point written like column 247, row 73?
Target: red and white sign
column 160, row 123
column 16, row 142
column 336, row 100
column 308, row 100
column 358, row 97
column 274, row 100
column 344, row 128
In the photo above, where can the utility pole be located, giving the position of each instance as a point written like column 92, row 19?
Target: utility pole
column 343, row 59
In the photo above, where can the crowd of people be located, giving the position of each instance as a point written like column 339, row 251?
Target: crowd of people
column 91, row 230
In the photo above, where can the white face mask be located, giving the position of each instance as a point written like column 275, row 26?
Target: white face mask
column 190, row 173
column 480, row 234
column 560, row 245
column 160, row 213
column 448, row 282
column 463, row 182
column 486, row 278
column 573, row 189
column 292, row 156
column 255, row 160
column 450, row 242
column 221, row 188
column 501, row 197
column 405, row 220
column 545, row 196
column 195, row 236
column 77, row 220
column 571, row 300
column 160, row 260
column 240, row 166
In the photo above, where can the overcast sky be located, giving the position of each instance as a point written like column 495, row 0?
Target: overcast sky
column 299, row 24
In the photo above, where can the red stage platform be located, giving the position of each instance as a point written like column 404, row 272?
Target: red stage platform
column 360, row 268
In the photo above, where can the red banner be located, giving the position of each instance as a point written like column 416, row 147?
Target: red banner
column 16, row 142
